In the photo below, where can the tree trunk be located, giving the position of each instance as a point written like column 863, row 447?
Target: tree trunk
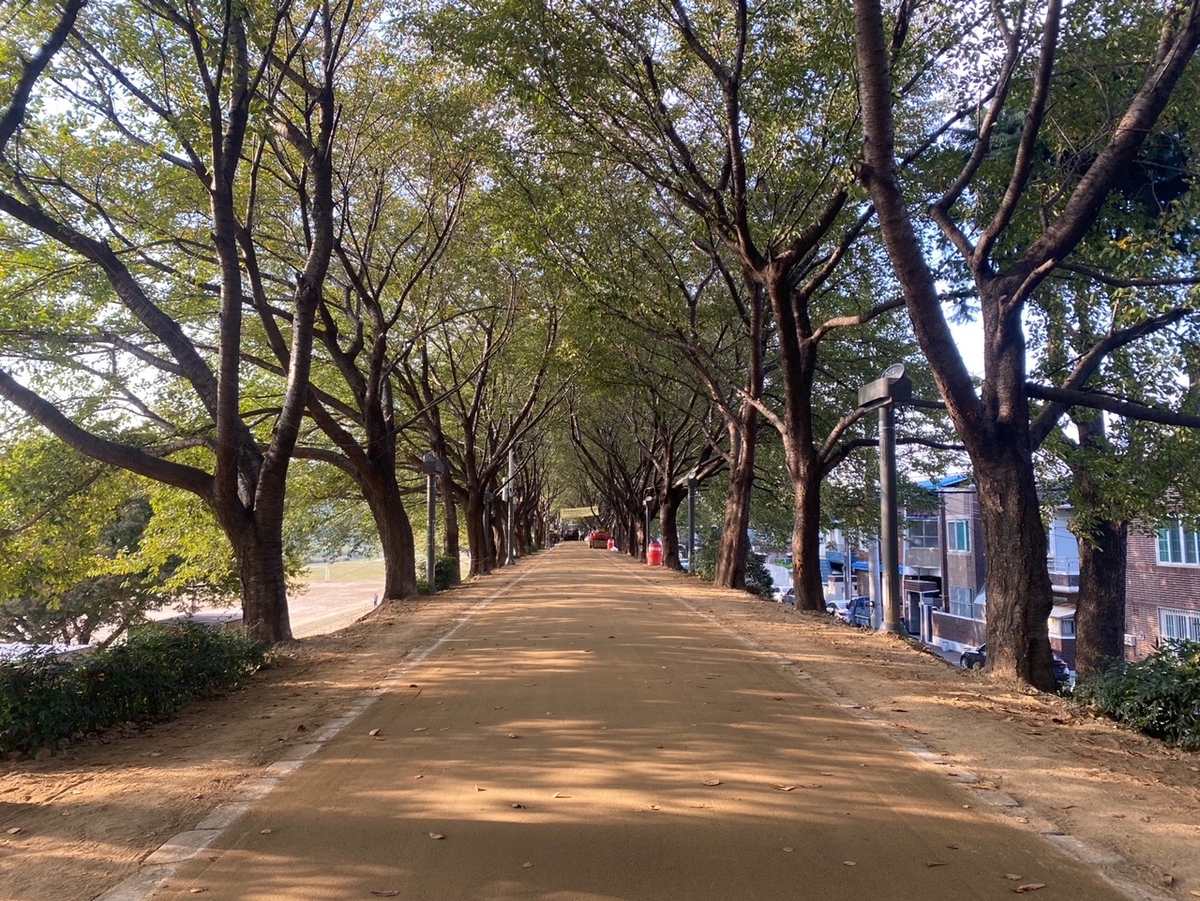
column 668, row 516
column 1019, row 596
column 735, row 539
column 450, row 543
column 477, row 535
column 806, row 541
column 395, row 539
column 264, row 587
column 1100, row 610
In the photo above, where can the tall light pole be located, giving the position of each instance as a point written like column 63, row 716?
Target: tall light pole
column 891, row 388
column 509, row 496
column 432, row 467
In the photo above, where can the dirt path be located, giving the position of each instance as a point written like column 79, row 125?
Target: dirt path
column 615, row 738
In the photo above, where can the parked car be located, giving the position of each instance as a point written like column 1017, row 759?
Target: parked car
column 976, row 658
column 858, row 612
column 837, row 608
column 787, row 596
column 598, row 539
column 570, row 533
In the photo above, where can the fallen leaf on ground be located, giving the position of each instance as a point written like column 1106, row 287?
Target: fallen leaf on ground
column 1029, row 887
column 785, row 788
column 655, row 807
column 1013, row 876
column 952, row 847
column 389, row 893
column 196, row 891
column 1168, row 879
column 478, row 789
column 711, row 782
column 518, row 807
column 936, row 863
column 265, row 832
column 15, row 830
column 421, row 729
column 436, row 835
column 374, row 732
column 560, row 795
column 850, row 863
column 526, row 865
column 786, row 850
column 419, row 776
column 513, row 735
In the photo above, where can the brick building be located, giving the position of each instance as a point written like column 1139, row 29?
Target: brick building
column 1162, row 588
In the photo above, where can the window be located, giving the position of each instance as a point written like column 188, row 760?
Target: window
column 958, row 535
column 962, row 603
column 923, row 532
column 1179, row 624
column 1178, row 545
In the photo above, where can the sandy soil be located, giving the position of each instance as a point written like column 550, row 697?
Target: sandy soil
column 78, row 823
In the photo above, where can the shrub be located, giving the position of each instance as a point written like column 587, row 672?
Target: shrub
column 159, row 669
column 1159, row 695
column 446, row 572
column 758, row 578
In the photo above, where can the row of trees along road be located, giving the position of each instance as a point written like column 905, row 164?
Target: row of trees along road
column 740, row 202
column 774, row 131
column 227, row 234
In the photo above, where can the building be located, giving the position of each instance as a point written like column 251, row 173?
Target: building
column 950, row 542
column 1162, row 587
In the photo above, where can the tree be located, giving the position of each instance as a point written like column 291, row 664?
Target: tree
column 702, row 103
column 994, row 422
column 134, row 202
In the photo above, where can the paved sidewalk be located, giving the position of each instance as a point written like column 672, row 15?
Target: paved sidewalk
column 584, row 736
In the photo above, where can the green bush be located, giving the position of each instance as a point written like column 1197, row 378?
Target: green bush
column 446, row 572
column 159, row 669
column 1159, row 695
column 758, row 577
column 704, row 566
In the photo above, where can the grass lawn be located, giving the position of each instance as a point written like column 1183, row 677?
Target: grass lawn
column 347, row 571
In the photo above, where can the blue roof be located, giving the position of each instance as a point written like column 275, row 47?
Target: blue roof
column 945, row 482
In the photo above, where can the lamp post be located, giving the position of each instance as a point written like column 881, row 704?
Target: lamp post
column 432, row 467
column 891, row 388
column 693, row 480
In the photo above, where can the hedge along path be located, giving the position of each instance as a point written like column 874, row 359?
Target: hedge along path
column 593, row 737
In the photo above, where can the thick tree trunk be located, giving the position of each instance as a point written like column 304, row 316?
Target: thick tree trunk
column 1100, row 610
column 1019, row 597
column 264, row 588
column 395, row 539
column 451, row 546
column 806, row 541
column 668, row 516
column 477, row 535
column 735, row 539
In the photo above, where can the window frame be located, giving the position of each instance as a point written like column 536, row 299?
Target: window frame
column 956, row 529
column 1176, row 545
column 1190, row 624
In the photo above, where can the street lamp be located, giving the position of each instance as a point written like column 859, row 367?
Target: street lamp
column 432, row 467
column 891, row 388
column 693, row 481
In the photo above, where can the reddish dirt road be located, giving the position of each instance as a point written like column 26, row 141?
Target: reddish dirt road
column 887, row 774
column 583, row 736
